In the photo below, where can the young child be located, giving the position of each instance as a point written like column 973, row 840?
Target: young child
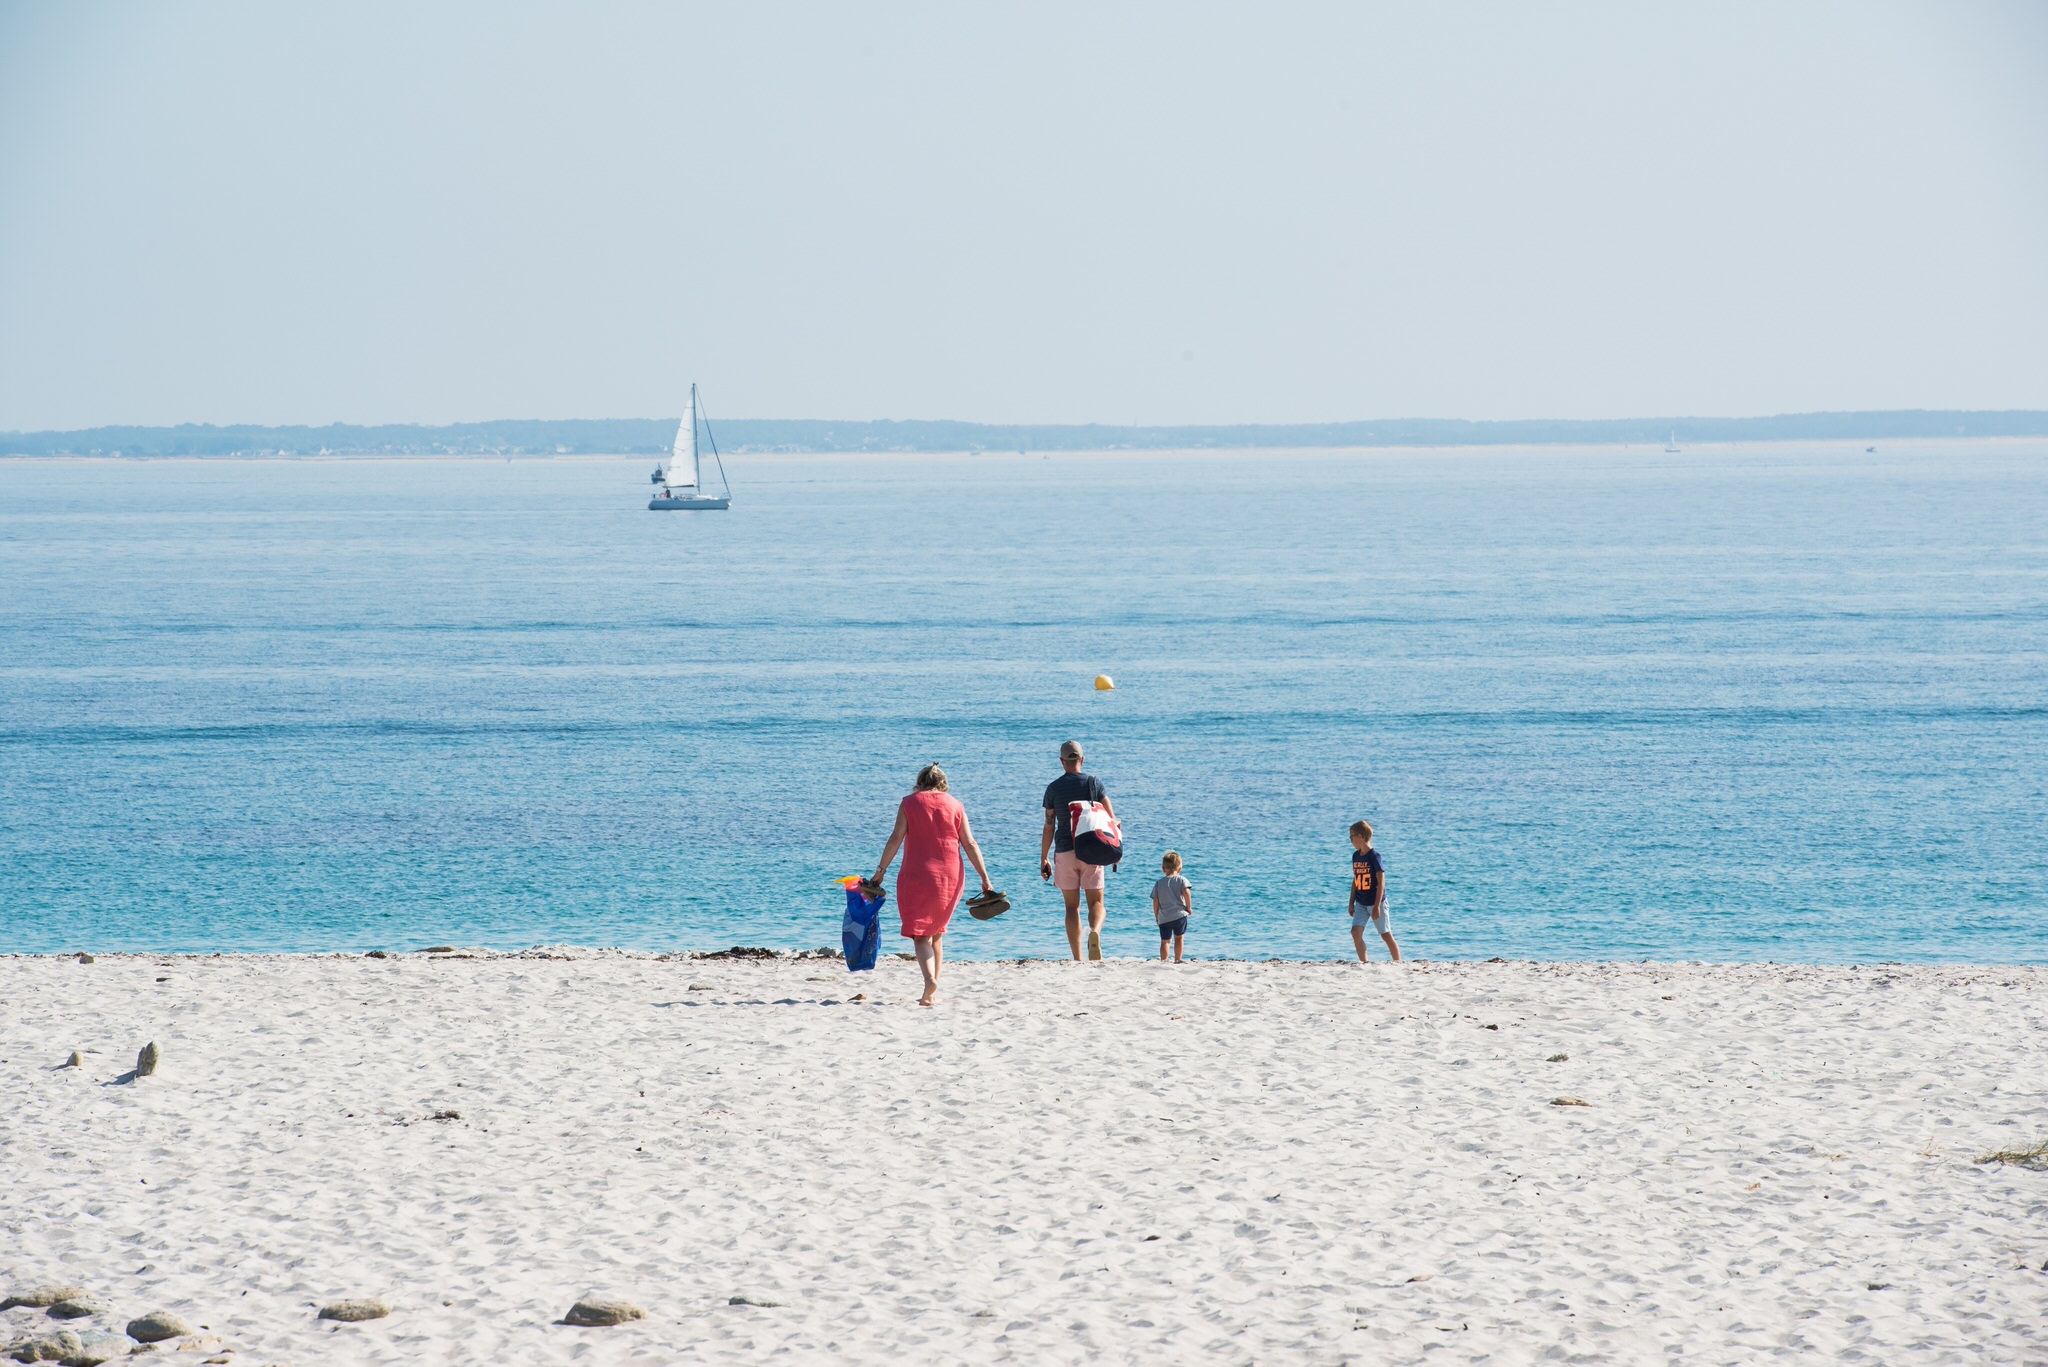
column 1172, row 902
column 1368, row 893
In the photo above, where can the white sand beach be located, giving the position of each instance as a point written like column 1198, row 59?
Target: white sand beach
column 1124, row 1162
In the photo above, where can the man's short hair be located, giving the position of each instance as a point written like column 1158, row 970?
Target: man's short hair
column 1070, row 749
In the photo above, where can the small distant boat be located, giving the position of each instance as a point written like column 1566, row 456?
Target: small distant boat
column 1868, row 449
column 681, row 477
column 1671, row 444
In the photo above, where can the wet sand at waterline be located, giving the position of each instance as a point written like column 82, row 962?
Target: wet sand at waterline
column 1221, row 1162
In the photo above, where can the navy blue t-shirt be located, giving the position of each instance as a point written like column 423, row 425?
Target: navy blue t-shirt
column 1058, row 793
column 1368, row 877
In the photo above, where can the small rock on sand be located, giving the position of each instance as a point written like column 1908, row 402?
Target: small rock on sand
column 1559, row 1058
column 86, row 959
column 1568, row 1101
column 96, row 1349
column 157, row 1326
column 355, row 1312
column 602, row 1310
column 77, row 1060
column 77, row 1308
column 147, row 1060
column 40, row 1297
column 49, row 1347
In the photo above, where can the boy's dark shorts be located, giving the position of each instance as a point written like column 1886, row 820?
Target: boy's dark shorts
column 1173, row 929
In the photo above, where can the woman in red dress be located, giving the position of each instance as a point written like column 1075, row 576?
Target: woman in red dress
column 932, row 831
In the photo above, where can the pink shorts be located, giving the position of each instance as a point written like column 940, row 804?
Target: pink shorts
column 1071, row 875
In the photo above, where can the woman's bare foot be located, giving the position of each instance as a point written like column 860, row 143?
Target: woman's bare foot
column 926, row 999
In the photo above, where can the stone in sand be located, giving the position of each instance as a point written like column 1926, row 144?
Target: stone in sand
column 147, row 1060
column 1559, row 1058
column 602, row 1310
column 77, row 1308
column 77, row 1060
column 96, row 1349
column 355, row 1312
column 1568, row 1101
column 49, row 1348
column 85, row 958
column 38, row 1297
column 157, row 1326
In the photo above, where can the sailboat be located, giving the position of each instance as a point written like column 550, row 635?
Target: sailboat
column 1671, row 444
column 680, row 477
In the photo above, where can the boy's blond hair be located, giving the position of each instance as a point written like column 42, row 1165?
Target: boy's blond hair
column 1363, row 828
column 1169, row 862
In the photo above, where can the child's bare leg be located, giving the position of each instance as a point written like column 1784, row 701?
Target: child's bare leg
column 1177, row 940
column 1162, row 951
column 1358, row 939
column 1392, row 948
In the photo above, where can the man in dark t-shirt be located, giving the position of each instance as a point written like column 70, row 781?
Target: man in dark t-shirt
column 1056, row 860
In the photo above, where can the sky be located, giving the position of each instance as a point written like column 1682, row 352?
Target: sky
column 1048, row 212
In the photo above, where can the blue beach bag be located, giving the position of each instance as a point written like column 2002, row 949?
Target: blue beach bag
column 861, row 932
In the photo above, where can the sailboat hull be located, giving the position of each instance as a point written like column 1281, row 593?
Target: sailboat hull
column 688, row 503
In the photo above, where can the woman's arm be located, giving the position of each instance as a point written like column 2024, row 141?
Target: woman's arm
column 889, row 850
column 973, row 851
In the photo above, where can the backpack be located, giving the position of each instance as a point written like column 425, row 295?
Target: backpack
column 1098, row 837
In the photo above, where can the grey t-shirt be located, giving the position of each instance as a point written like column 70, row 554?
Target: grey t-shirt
column 1166, row 903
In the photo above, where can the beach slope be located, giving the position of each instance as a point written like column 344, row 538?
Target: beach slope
column 1124, row 1162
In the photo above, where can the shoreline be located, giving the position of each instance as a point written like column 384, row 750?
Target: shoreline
column 764, row 955
column 1127, row 1161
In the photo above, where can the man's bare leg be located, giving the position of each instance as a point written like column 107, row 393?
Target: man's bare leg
column 1073, row 896
column 1095, row 915
column 1358, row 939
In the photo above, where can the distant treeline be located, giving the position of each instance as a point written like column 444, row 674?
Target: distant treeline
column 626, row 436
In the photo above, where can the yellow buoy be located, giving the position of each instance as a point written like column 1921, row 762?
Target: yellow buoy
column 1103, row 683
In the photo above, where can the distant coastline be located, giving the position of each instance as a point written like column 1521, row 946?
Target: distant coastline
column 630, row 436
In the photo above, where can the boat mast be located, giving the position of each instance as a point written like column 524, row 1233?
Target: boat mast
column 696, row 471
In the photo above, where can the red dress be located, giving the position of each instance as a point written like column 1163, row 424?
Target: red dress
column 929, row 884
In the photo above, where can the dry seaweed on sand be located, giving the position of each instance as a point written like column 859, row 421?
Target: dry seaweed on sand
column 2035, row 1157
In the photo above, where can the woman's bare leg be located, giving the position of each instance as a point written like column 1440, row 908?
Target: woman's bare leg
column 929, row 956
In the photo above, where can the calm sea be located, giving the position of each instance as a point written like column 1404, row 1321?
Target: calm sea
column 1746, row 703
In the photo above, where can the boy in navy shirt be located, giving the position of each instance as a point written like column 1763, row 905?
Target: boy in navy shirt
column 1368, row 894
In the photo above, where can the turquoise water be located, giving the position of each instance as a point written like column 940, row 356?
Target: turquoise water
column 1754, row 703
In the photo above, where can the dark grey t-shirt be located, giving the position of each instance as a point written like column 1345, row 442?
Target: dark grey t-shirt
column 1083, row 787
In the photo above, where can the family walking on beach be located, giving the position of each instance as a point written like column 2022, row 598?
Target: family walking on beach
column 1080, row 840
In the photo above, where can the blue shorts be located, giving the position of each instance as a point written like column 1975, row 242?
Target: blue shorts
column 1173, row 930
column 1363, row 915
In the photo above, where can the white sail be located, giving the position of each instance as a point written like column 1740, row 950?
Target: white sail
column 682, row 461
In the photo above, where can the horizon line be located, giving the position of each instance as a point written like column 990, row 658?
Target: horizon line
column 627, row 436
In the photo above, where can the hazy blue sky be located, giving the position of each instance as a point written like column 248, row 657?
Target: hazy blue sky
column 1088, row 212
